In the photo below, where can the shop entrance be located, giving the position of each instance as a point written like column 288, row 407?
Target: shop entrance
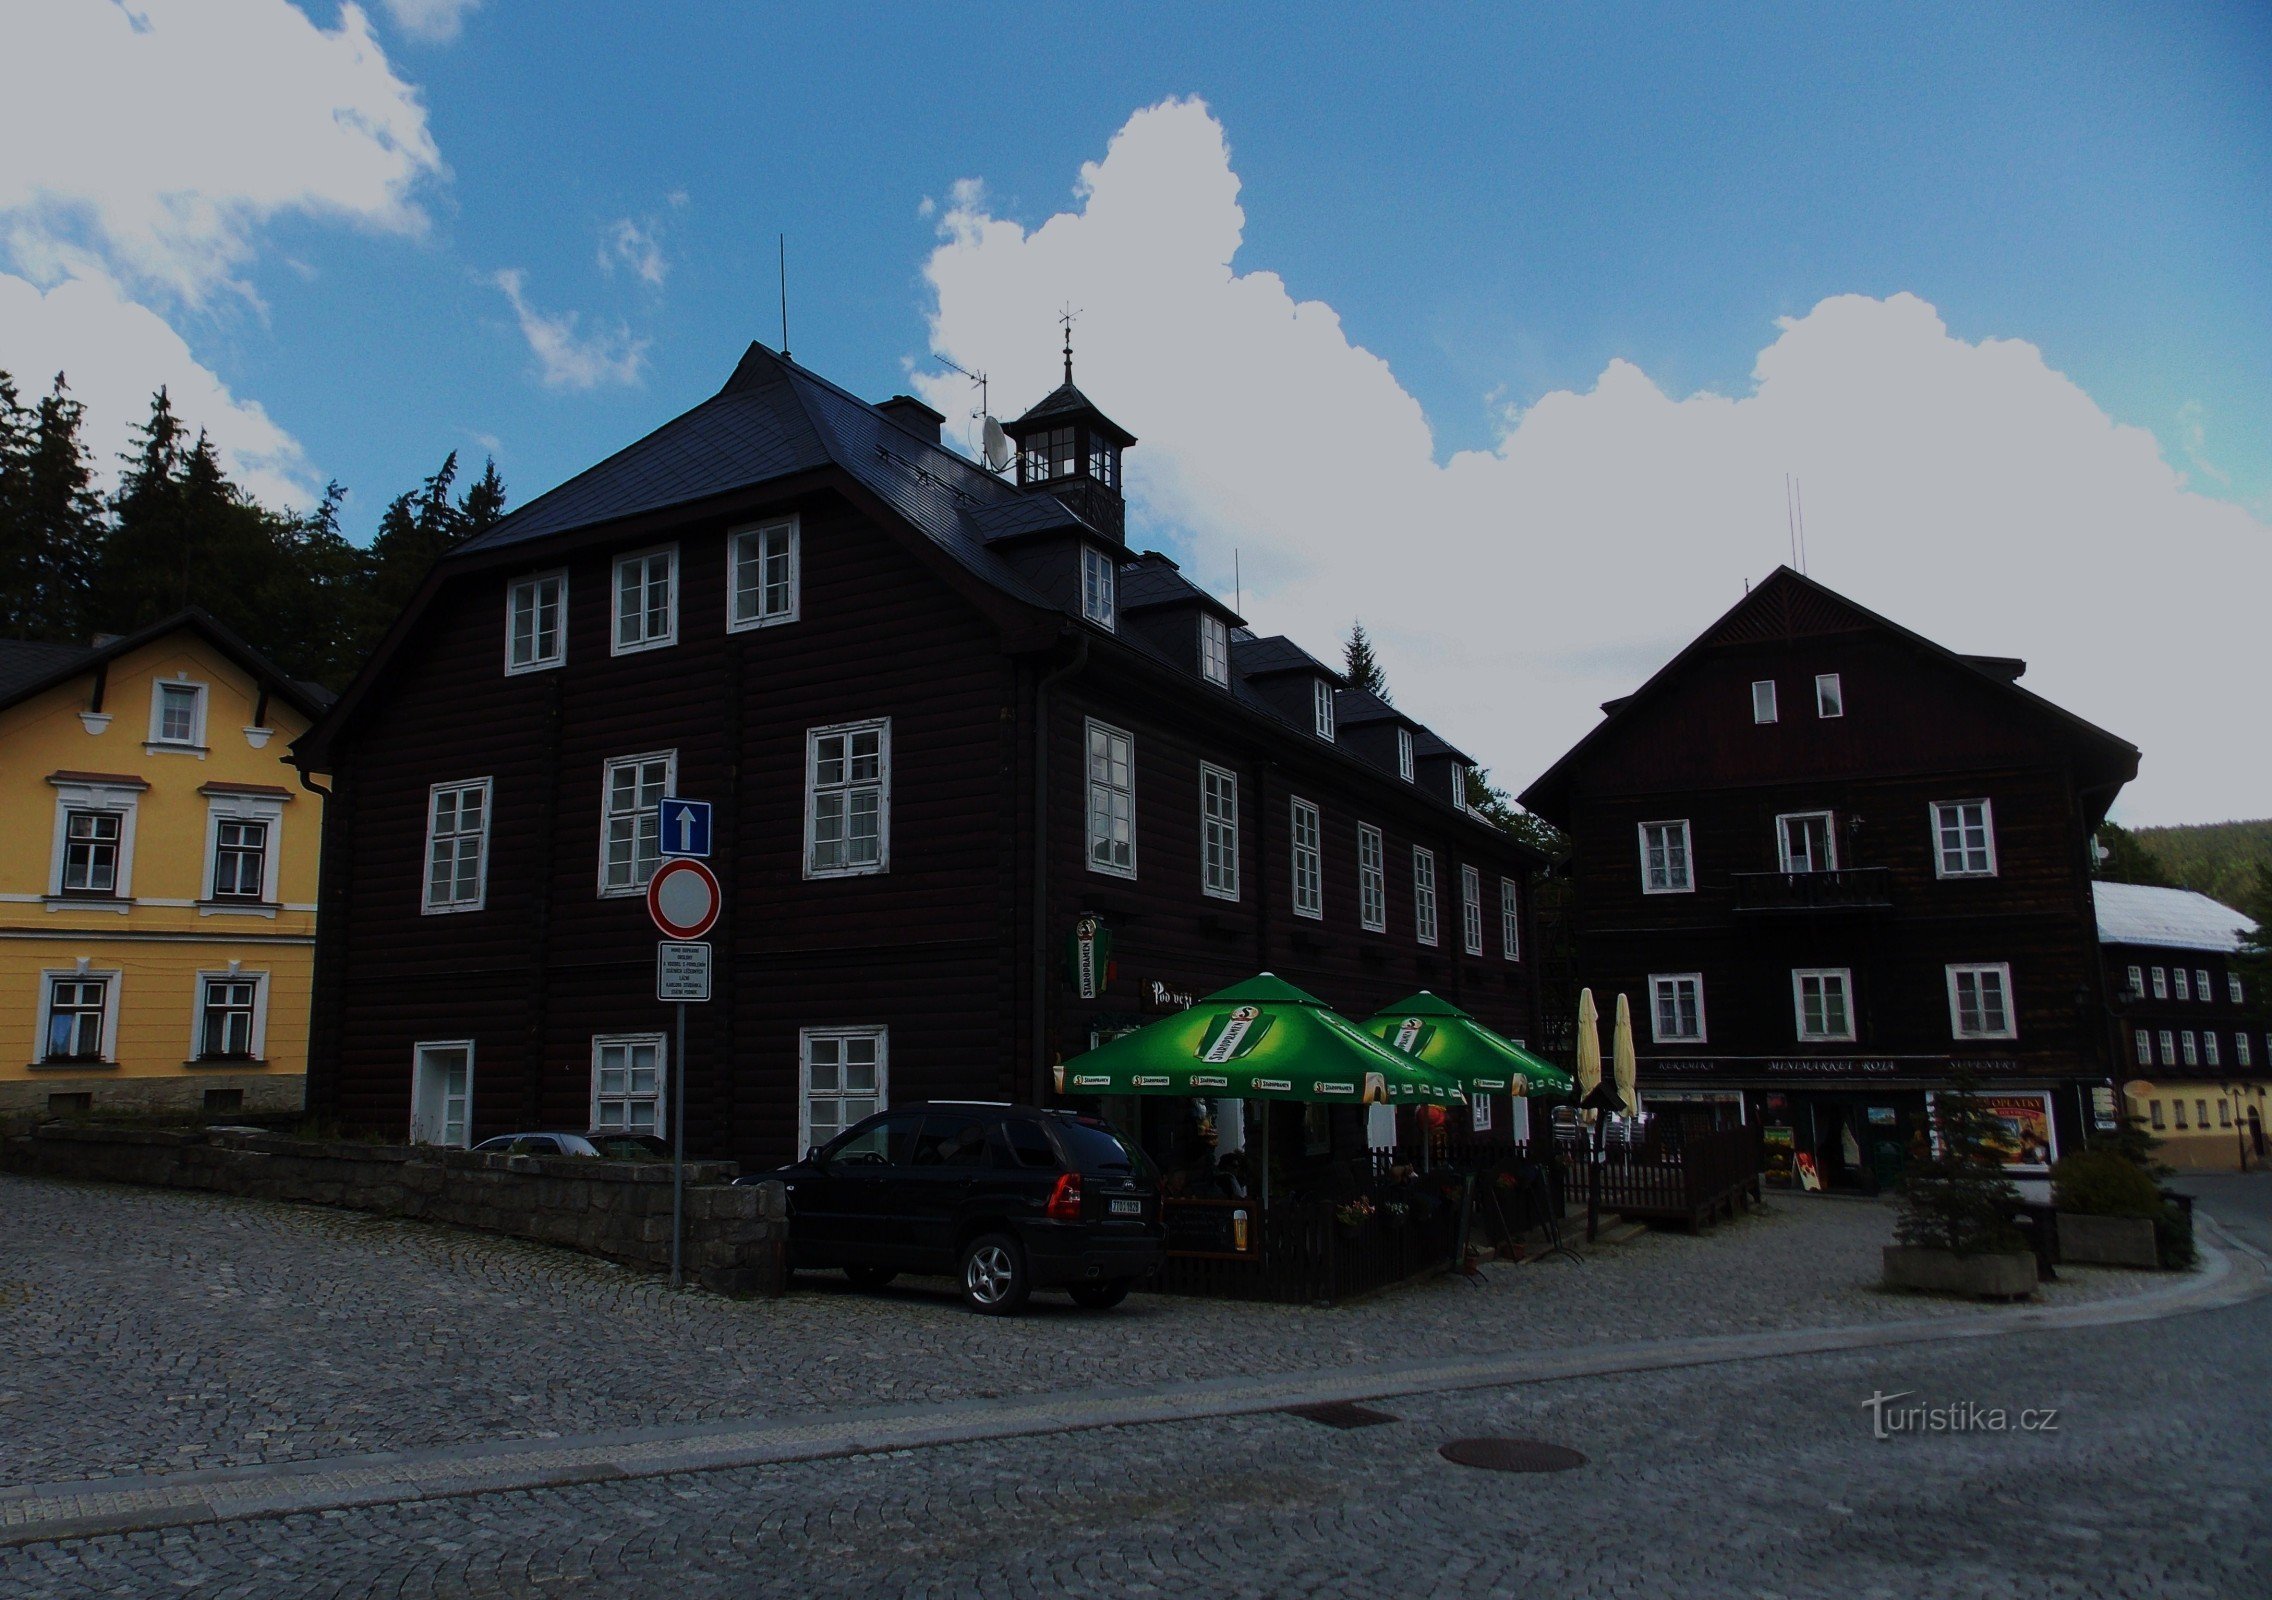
column 1842, row 1142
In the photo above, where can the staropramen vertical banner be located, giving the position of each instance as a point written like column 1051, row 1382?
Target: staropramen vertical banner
column 1088, row 957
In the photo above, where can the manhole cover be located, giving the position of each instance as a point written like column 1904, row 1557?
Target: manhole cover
column 1341, row 1414
column 1511, row 1455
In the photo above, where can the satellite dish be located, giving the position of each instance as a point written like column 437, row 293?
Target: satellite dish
column 996, row 447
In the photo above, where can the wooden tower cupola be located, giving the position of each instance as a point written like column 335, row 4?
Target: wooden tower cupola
column 1070, row 449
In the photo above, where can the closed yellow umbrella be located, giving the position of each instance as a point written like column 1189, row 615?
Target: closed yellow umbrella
column 1621, row 1058
column 1589, row 1045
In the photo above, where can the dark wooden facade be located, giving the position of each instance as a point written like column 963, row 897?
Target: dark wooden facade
column 1918, row 726
column 930, row 594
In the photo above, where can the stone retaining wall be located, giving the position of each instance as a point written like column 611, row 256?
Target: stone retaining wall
column 617, row 1209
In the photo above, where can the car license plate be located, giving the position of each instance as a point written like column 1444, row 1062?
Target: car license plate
column 1128, row 1208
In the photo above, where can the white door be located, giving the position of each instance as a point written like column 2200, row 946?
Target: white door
column 442, row 1096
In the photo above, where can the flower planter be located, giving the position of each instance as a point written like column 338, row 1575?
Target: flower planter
column 1997, row 1277
column 2107, row 1241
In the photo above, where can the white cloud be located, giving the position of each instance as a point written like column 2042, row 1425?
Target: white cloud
column 1964, row 489
column 625, row 243
column 565, row 358
column 435, row 21
column 116, row 354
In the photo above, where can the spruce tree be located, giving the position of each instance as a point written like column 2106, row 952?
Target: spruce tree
column 50, row 516
column 1360, row 666
column 1959, row 1199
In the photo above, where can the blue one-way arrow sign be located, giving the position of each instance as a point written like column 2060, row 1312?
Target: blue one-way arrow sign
column 686, row 827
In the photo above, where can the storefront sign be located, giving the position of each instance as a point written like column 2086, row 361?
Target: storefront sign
column 2103, row 1119
column 1826, row 1068
column 1160, row 997
column 1090, row 958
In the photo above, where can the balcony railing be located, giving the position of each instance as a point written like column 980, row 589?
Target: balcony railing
column 1846, row 889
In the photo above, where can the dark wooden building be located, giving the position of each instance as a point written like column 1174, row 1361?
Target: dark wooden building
column 1830, row 863
column 990, row 786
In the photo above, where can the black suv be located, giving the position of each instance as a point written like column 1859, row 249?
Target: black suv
column 1007, row 1198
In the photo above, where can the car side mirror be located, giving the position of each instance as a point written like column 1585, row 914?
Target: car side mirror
column 813, row 1155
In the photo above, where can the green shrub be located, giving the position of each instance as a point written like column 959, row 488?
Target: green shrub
column 2099, row 1183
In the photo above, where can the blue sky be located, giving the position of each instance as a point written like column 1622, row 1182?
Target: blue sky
column 1497, row 203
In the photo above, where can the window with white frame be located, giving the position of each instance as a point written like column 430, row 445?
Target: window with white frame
column 1309, row 862
column 1676, row 1007
column 2189, row 1048
column 1112, row 801
column 2183, row 984
column 1664, row 858
column 1471, row 910
column 1980, row 1000
column 1097, row 574
column 848, row 800
column 1372, row 879
column 1219, row 829
column 1806, row 842
column 93, row 851
column 229, row 1015
column 2137, row 983
column 2155, row 1108
column 2161, row 983
column 240, row 858
column 177, row 714
column 631, row 819
column 2209, row 1050
column 2233, row 988
column 2169, row 1048
column 627, row 1082
column 761, row 576
column 646, row 600
column 1763, row 700
column 1964, row 839
column 1215, row 650
column 2241, row 1051
column 847, row 1078
column 536, row 633
column 1510, row 921
column 2201, row 983
column 76, row 1016
column 2145, row 1043
column 1404, row 767
column 1321, row 708
column 1824, row 1003
column 1424, row 895
column 1829, row 697
column 92, row 841
column 457, row 845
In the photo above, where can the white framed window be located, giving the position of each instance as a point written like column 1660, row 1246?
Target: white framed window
column 1964, row 839
column 92, row 855
column 1980, row 1000
column 441, row 1092
column 1510, row 920
column 457, row 846
column 1097, row 575
column 1676, row 1007
column 1372, row 879
column 1823, row 1002
column 2179, row 1107
column 536, row 623
column 177, row 715
column 762, row 583
column 2189, row 1048
column 646, row 600
column 2210, row 1051
column 2201, row 983
column 631, row 819
column 1471, row 910
column 78, row 1016
column 243, row 839
column 2183, row 984
column 1665, row 858
column 2145, row 1044
column 1404, row 765
column 2156, row 1108
column 2137, row 983
column 629, row 1090
column 2232, row 988
column 232, row 1016
column 1459, row 785
column 1321, row 708
column 1829, row 697
column 91, row 842
column 2169, row 1048
column 846, row 1075
column 2161, row 983
column 848, row 799
column 1763, row 700
column 1424, row 895
column 1806, row 841
column 1112, row 800
column 1309, row 862
column 1215, row 650
column 1219, row 830
column 2241, row 1053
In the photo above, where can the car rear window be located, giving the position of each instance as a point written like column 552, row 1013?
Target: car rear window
column 1094, row 1146
column 1029, row 1147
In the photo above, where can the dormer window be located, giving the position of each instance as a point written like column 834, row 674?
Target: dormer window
column 1321, row 699
column 1096, row 586
column 1050, row 454
column 1215, row 651
column 1404, row 754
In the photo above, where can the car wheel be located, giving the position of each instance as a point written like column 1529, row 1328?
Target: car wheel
column 994, row 1275
column 1099, row 1296
column 869, row 1277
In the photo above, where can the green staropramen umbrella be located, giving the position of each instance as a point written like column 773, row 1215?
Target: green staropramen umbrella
column 1262, row 1039
column 1439, row 1034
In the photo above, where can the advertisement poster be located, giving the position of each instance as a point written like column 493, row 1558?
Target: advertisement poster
column 2024, row 1142
column 1777, row 1138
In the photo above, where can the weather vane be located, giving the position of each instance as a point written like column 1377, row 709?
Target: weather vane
column 1066, row 317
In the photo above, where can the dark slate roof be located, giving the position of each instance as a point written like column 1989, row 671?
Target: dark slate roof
column 1152, row 579
column 1259, row 658
column 1356, row 707
column 26, row 663
column 1068, row 403
column 28, row 667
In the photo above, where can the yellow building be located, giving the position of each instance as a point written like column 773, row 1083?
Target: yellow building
column 157, row 874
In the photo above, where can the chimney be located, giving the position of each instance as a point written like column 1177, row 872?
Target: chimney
column 913, row 415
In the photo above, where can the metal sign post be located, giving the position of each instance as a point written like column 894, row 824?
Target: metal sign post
column 678, row 1150
column 683, row 898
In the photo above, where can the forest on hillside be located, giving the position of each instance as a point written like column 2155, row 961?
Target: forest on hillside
column 2220, row 859
column 176, row 532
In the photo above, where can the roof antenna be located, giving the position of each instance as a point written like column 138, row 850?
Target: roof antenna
column 1790, row 520
column 781, row 262
column 993, row 443
column 1799, row 500
column 1238, row 588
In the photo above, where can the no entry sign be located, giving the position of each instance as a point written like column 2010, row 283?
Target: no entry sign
column 683, row 898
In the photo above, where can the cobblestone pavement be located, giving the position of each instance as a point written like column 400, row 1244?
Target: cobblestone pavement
column 1749, row 1479
column 149, row 1331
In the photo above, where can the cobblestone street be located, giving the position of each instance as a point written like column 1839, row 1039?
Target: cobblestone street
column 149, row 1332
